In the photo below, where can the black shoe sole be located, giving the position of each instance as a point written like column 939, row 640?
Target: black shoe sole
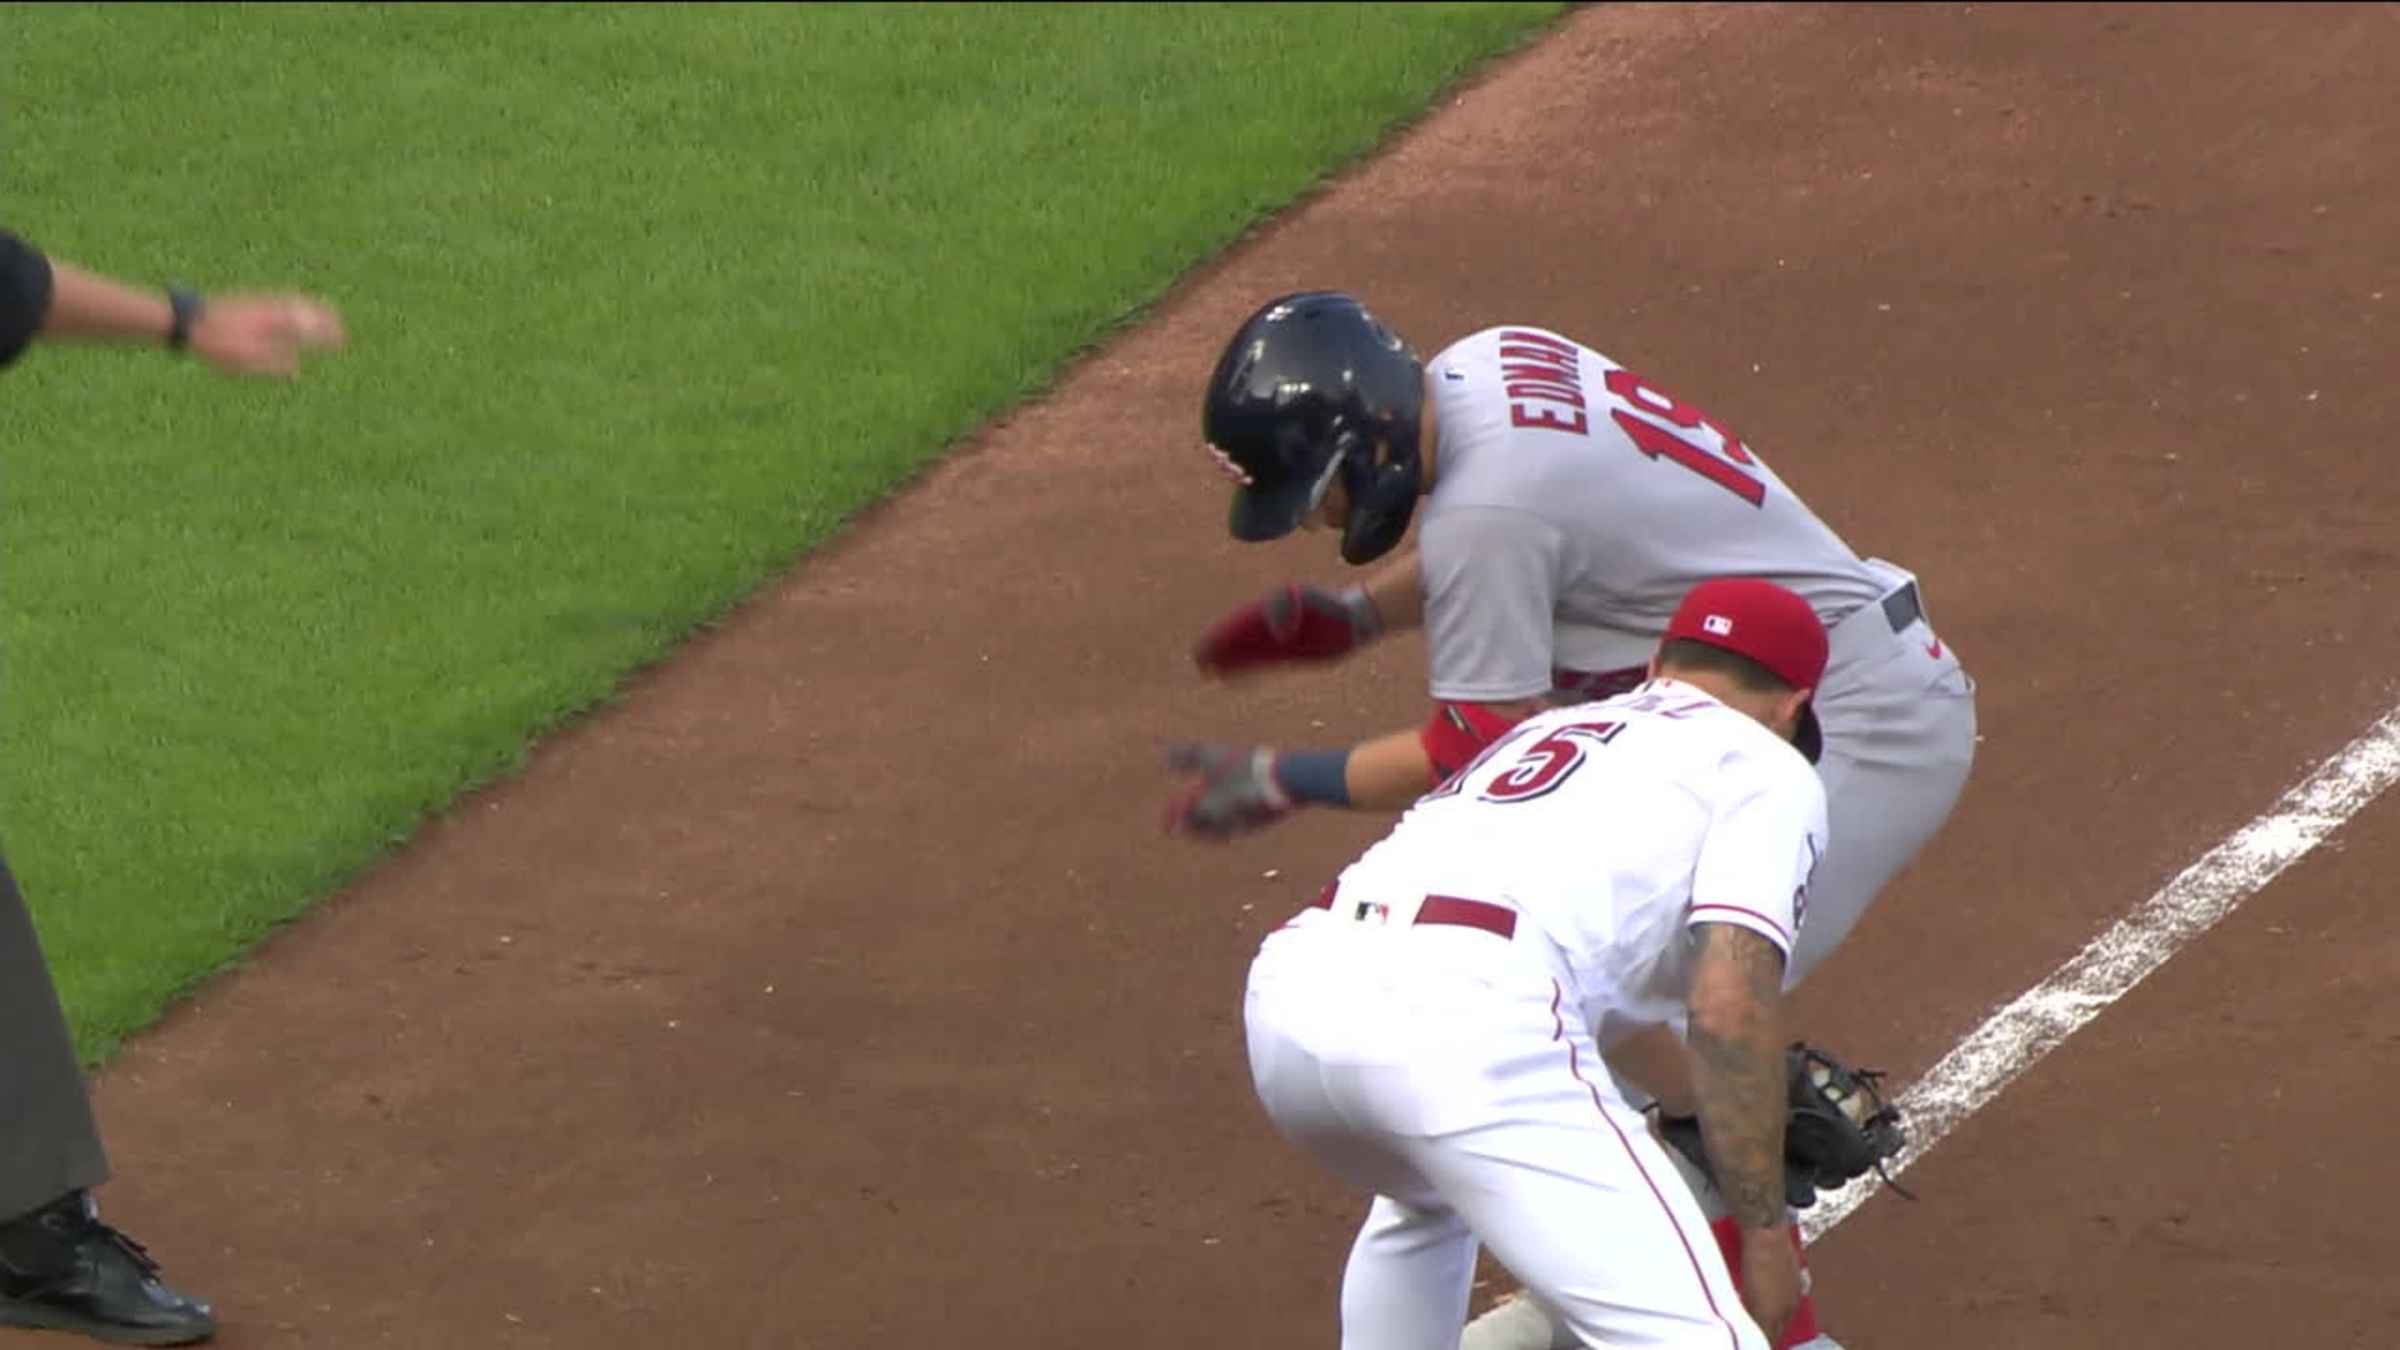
column 40, row 1317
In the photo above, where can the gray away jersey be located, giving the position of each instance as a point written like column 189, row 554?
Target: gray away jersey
column 1573, row 506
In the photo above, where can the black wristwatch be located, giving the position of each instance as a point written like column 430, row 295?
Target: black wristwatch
column 186, row 304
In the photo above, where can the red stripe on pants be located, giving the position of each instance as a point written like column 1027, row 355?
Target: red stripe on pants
column 1557, row 995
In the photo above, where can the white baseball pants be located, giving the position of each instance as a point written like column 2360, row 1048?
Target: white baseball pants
column 1445, row 1070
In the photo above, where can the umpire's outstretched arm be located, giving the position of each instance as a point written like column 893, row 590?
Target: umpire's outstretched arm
column 238, row 334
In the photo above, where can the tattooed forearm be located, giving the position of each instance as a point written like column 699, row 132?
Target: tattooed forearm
column 1736, row 1040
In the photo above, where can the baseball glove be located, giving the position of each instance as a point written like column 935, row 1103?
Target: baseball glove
column 1292, row 623
column 1232, row 790
column 1839, row 1128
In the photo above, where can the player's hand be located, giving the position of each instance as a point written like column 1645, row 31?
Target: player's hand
column 1770, row 1279
column 1292, row 623
column 264, row 334
column 1229, row 790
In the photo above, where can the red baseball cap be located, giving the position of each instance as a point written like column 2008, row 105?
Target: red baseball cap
column 1767, row 623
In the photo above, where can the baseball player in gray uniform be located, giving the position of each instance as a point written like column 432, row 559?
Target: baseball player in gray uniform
column 1567, row 505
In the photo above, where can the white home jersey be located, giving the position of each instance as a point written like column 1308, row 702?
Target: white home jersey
column 1613, row 826
column 1573, row 506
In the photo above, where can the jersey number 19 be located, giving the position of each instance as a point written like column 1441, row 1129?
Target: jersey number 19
column 1659, row 443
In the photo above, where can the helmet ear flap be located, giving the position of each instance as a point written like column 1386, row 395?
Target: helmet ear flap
column 1383, row 495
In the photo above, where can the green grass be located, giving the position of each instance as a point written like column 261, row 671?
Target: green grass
column 645, row 300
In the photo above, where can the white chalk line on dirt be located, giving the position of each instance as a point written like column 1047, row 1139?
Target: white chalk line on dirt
column 2013, row 1039
column 2019, row 1035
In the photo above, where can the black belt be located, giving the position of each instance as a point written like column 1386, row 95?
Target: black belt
column 1902, row 608
column 1446, row 909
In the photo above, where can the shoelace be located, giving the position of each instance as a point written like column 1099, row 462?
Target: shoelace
column 139, row 1254
column 77, row 1227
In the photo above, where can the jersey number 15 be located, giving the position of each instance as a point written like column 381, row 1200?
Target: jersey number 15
column 1539, row 769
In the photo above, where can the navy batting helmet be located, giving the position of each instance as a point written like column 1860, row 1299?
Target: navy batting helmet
column 1314, row 385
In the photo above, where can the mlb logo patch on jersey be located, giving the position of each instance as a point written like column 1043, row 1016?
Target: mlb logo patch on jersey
column 1717, row 624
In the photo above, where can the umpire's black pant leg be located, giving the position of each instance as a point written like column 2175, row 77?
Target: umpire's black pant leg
column 49, row 1143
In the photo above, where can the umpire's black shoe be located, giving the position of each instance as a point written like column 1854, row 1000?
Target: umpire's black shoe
column 61, row 1269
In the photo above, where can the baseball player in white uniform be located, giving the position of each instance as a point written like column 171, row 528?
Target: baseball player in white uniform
column 1567, row 506
column 1425, row 1032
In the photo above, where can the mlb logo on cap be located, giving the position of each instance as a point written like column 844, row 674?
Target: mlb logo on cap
column 1759, row 619
column 1770, row 625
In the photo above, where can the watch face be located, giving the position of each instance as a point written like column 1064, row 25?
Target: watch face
column 184, row 304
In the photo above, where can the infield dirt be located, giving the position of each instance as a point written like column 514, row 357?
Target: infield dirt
column 834, row 987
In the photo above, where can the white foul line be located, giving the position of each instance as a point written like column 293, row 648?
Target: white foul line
column 2017, row 1036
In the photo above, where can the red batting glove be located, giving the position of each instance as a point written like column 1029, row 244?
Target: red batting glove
column 1233, row 791
column 1292, row 623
